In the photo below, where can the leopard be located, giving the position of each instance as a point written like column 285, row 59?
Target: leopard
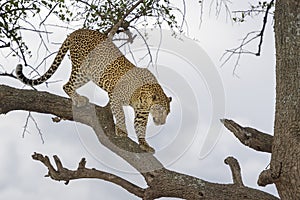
column 95, row 57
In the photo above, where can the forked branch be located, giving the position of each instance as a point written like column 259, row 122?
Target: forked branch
column 64, row 174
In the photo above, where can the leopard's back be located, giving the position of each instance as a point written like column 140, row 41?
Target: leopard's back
column 96, row 56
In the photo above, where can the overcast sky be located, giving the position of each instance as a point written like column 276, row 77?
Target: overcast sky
column 248, row 97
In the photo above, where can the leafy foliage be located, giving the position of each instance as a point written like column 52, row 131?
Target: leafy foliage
column 18, row 16
column 102, row 15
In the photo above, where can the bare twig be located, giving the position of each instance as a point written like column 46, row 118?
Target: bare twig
column 8, row 75
column 64, row 174
column 5, row 45
column 219, row 6
column 29, row 116
column 235, row 170
column 50, row 11
column 249, row 136
column 247, row 39
column 261, row 34
column 146, row 43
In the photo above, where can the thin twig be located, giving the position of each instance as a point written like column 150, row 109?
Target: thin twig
column 8, row 75
column 261, row 34
column 29, row 116
column 52, row 9
column 147, row 46
column 246, row 40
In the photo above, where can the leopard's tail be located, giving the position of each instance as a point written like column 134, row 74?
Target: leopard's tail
column 59, row 57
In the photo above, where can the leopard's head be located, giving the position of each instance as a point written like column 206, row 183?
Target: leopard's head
column 160, row 108
column 151, row 99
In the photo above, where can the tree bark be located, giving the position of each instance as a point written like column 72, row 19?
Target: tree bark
column 285, row 161
column 250, row 137
column 161, row 181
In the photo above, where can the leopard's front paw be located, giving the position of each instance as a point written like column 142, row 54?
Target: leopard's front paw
column 145, row 146
column 80, row 101
column 120, row 132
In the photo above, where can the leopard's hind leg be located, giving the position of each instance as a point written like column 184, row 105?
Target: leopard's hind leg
column 75, row 82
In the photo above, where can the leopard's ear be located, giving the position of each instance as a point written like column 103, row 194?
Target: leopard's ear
column 170, row 99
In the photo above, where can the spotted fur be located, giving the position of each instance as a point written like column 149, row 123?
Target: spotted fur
column 95, row 58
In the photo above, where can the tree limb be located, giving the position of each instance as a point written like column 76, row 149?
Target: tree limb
column 235, row 170
column 64, row 174
column 111, row 32
column 249, row 136
column 161, row 181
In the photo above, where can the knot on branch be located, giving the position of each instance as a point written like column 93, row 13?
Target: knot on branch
column 269, row 176
column 235, row 170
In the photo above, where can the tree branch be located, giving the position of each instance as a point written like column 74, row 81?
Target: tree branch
column 5, row 45
column 261, row 34
column 8, row 75
column 161, row 181
column 246, row 40
column 64, row 174
column 111, row 32
column 249, row 136
column 235, row 170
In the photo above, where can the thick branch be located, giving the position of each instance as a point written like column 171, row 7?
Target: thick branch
column 249, row 136
column 235, row 170
column 63, row 174
column 162, row 182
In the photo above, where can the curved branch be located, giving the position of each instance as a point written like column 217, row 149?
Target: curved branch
column 161, row 181
column 64, row 174
column 249, row 136
column 235, row 170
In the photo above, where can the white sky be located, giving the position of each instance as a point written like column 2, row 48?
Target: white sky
column 249, row 100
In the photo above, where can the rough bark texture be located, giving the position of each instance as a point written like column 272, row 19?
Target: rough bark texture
column 161, row 181
column 249, row 136
column 285, row 161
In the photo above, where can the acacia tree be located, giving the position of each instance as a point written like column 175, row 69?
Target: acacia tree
column 120, row 16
